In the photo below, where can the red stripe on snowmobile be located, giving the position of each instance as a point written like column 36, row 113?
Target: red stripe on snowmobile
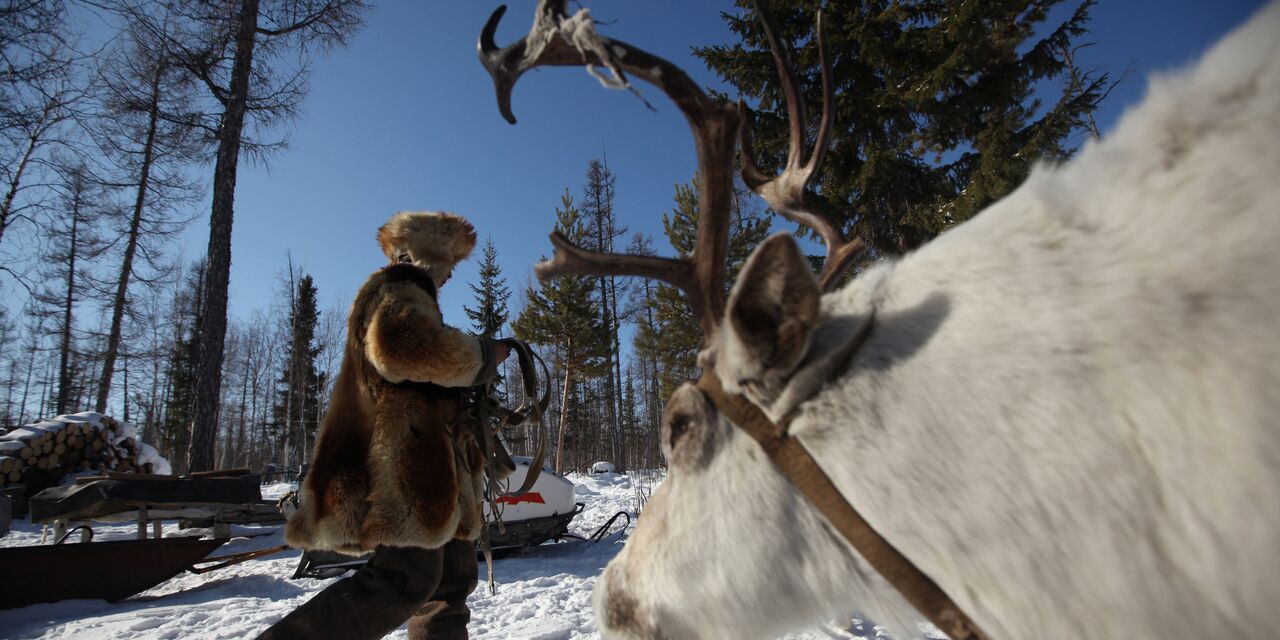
column 532, row 497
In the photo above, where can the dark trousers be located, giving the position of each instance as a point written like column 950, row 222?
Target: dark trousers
column 427, row 587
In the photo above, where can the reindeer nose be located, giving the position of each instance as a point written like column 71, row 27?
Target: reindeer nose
column 617, row 611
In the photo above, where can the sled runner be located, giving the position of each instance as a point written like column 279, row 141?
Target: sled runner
column 109, row 571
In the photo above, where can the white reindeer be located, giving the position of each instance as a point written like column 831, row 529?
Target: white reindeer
column 1065, row 412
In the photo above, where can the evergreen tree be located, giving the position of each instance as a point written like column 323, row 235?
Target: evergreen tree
column 936, row 113
column 297, row 409
column 674, row 336
column 174, row 435
column 491, row 295
column 602, row 231
column 561, row 313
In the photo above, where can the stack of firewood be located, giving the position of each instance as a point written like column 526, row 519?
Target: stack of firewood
column 39, row 455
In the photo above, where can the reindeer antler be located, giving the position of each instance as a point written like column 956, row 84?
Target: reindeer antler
column 557, row 39
column 788, row 193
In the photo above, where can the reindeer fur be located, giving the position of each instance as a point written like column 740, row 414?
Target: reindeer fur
column 1066, row 412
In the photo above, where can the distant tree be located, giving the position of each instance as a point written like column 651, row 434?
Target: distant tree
column 180, row 371
column 146, row 128
column 561, row 313
column 37, row 54
column 602, row 231
column 73, row 243
column 673, row 336
column 642, row 313
column 237, row 49
column 491, row 295
column 38, row 96
column 936, row 105
column 297, row 408
column 26, row 149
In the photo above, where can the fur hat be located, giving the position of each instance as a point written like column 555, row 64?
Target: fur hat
column 438, row 238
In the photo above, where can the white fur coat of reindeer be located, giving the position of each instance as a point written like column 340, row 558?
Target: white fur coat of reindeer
column 1066, row 412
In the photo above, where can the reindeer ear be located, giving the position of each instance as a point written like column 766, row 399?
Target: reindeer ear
column 772, row 309
column 689, row 429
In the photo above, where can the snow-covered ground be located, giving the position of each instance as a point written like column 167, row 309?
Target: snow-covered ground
column 543, row 593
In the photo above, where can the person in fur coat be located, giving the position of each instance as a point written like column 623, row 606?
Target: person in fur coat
column 397, row 467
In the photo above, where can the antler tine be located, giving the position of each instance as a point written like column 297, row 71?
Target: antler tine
column 505, row 65
column 787, row 192
column 559, row 40
column 570, row 259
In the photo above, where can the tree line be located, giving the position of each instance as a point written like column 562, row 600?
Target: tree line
column 107, row 144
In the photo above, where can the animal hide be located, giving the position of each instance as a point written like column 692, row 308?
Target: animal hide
column 396, row 462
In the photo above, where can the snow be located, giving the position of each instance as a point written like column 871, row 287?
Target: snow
column 542, row 594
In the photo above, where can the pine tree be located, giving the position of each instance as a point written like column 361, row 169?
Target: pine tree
column 674, row 336
column 174, row 435
column 936, row 112
column 297, row 408
column 602, row 231
column 561, row 313
column 491, row 295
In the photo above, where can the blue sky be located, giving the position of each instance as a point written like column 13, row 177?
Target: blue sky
column 405, row 118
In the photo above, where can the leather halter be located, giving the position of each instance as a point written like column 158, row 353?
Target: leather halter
column 798, row 466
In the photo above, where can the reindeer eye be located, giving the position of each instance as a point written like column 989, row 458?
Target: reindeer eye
column 678, row 427
column 404, row 257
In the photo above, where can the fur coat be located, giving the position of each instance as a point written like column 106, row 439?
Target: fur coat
column 396, row 461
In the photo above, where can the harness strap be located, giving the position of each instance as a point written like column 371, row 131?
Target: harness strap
column 798, row 466
column 494, row 454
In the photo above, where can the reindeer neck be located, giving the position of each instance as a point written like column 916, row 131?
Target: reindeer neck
column 798, row 466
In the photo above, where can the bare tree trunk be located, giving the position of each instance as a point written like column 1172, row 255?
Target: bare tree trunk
column 125, row 371
column 240, row 456
column 26, row 384
column 131, row 245
column 218, row 277
column 621, row 457
column 564, row 411
column 68, row 304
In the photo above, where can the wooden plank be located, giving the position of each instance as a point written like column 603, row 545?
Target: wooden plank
column 218, row 473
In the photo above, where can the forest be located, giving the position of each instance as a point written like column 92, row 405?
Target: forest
column 115, row 141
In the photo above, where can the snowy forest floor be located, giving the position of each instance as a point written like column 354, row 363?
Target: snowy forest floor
column 543, row 593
